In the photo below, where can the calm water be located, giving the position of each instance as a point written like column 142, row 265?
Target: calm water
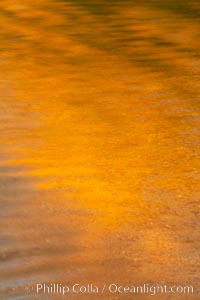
column 99, row 145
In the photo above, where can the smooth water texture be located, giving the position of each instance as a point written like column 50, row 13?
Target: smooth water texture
column 99, row 145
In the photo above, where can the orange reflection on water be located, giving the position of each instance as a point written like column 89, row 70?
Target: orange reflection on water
column 100, row 126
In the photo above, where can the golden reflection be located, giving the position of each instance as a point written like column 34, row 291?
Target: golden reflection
column 101, row 116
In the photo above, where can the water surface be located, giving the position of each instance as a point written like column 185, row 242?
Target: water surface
column 99, row 144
